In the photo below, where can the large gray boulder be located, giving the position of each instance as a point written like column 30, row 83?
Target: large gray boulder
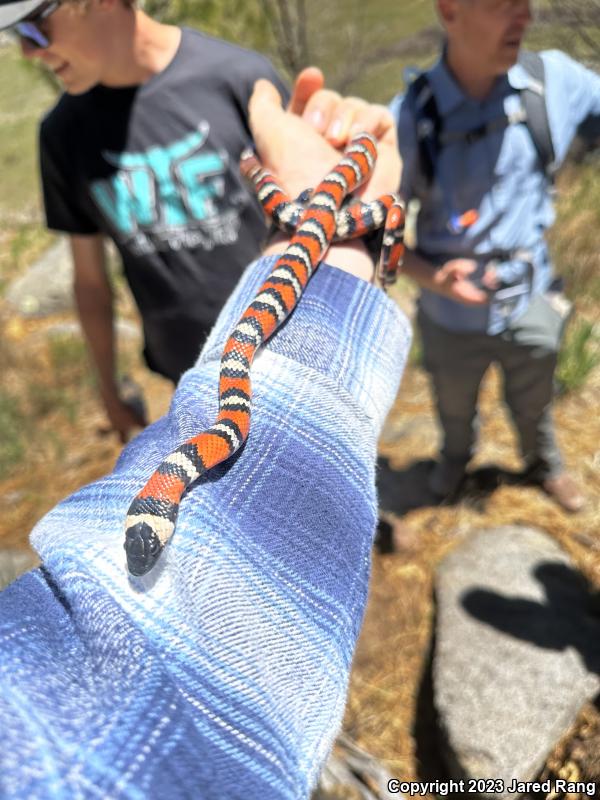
column 517, row 654
column 13, row 563
column 47, row 286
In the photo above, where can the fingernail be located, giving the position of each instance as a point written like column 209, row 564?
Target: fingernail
column 316, row 120
column 335, row 130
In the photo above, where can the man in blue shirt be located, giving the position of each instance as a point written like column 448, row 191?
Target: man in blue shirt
column 481, row 259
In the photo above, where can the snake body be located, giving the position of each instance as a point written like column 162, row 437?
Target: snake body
column 152, row 515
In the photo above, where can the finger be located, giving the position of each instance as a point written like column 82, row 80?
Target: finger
column 472, row 295
column 307, row 83
column 373, row 119
column 458, row 269
column 321, row 108
column 490, row 279
column 343, row 118
column 265, row 114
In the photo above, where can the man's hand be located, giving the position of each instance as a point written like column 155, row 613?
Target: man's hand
column 452, row 281
column 290, row 144
column 335, row 117
column 300, row 157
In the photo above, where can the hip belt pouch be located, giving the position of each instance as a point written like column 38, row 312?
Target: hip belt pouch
column 544, row 321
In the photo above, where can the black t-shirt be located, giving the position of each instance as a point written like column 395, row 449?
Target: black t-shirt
column 155, row 167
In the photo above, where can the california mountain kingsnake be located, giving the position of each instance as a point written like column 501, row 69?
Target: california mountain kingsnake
column 153, row 513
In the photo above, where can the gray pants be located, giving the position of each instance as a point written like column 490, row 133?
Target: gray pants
column 527, row 354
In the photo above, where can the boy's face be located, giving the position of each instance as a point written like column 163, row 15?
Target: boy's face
column 79, row 49
column 491, row 31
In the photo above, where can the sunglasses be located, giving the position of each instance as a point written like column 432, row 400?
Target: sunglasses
column 29, row 29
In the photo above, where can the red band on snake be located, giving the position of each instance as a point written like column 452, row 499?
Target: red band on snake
column 153, row 513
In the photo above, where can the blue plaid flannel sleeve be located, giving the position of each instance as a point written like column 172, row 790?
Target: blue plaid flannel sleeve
column 222, row 673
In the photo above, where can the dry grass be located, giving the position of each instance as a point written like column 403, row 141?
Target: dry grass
column 62, row 424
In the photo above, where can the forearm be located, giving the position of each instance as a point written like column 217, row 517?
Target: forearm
column 421, row 271
column 352, row 331
column 95, row 310
column 351, row 257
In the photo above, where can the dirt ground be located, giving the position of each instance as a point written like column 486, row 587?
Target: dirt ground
column 389, row 707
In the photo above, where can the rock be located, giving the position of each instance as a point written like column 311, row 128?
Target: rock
column 517, row 653
column 14, row 563
column 47, row 286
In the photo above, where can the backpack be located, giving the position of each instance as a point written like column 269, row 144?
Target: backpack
column 533, row 113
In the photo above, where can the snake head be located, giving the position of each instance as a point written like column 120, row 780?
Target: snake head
column 142, row 547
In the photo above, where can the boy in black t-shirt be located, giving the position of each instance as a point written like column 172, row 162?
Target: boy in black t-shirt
column 144, row 147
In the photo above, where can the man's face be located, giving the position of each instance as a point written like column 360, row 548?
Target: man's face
column 490, row 31
column 79, row 49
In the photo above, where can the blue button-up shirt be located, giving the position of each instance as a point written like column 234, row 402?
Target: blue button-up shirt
column 498, row 175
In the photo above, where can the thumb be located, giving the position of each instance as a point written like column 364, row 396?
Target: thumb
column 308, row 81
column 264, row 105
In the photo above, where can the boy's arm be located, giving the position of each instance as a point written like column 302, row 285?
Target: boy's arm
column 94, row 301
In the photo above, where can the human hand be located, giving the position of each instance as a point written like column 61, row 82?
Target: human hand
column 290, row 145
column 335, row 117
column 452, row 281
column 123, row 417
column 490, row 279
column 300, row 158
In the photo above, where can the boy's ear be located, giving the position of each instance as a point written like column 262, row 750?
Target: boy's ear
column 446, row 11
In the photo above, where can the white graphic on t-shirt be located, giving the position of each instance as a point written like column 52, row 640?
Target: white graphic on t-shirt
column 171, row 198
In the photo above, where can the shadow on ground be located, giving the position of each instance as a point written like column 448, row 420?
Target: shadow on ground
column 569, row 617
column 406, row 489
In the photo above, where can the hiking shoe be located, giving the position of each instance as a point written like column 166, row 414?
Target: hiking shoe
column 564, row 491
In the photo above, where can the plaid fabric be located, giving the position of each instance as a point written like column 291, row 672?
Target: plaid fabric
column 223, row 672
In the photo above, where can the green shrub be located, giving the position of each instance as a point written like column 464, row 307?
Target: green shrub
column 579, row 355
column 575, row 237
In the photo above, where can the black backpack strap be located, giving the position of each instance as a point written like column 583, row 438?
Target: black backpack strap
column 534, row 103
column 428, row 123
